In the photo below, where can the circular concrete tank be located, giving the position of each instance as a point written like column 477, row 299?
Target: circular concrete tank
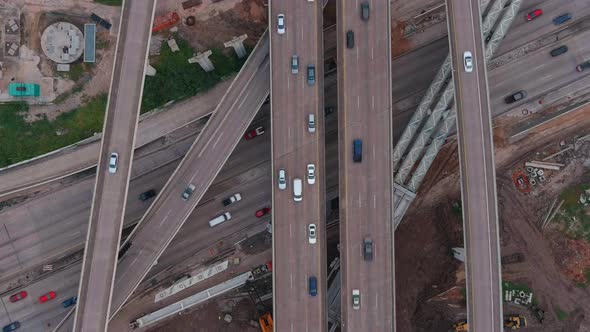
column 62, row 42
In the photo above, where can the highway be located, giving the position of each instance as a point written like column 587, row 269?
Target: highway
column 478, row 174
column 110, row 191
column 366, row 211
column 293, row 99
column 199, row 167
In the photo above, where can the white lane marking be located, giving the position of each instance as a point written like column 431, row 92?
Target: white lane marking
column 217, row 141
column 372, row 53
column 358, row 101
column 374, row 201
column 291, row 277
column 360, row 200
column 302, row 32
column 373, row 102
column 357, row 54
column 288, row 84
column 290, row 230
column 164, row 219
column 374, row 152
column 376, row 300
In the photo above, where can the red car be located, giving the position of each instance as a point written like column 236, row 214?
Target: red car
column 534, row 14
column 18, row 296
column 47, row 297
column 254, row 132
column 262, row 212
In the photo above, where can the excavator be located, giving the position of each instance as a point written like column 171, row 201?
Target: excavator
column 513, row 322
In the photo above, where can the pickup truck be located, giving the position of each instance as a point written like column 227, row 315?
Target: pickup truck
column 232, row 199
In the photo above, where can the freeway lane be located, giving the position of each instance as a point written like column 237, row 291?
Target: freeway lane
column 478, row 174
column 199, row 167
column 293, row 99
column 366, row 211
column 110, row 192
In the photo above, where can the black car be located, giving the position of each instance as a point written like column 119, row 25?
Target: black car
column 328, row 110
column 144, row 196
column 583, row 66
column 515, row 97
column 365, row 11
column 349, row 39
column 11, row 327
column 368, row 249
column 560, row 50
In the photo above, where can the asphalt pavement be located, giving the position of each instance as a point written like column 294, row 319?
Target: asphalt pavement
column 293, row 99
column 478, row 174
column 110, row 192
column 366, row 187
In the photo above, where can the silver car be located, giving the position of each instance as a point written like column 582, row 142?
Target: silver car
column 311, row 233
column 294, row 64
column 310, row 173
column 468, row 61
column 281, row 24
column 282, row 179
column 113, row 162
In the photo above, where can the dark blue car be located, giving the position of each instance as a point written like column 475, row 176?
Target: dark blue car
column 562, row 18
column 313, row 286
column 70, row 302
column 11, row 327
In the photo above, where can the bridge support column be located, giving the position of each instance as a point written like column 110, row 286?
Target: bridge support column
column 238, row 44
column 203, row 60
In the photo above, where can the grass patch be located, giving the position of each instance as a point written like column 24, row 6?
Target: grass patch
column 559, row 313
column 22, row 140
column 101, row 44
column 176, row 79
column 110, row 2
column 574, row 217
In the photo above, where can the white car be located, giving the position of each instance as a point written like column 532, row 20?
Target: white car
column 468, row 61
column 356, row 299
column 311, row 233
column 311, row 123
column 281, row 24
column 282, row 179
column 310, row 173
column 113, row 163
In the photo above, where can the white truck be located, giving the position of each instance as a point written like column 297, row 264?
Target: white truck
column 220, row 219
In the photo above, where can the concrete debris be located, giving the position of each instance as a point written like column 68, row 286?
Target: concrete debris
column 544, row 165
column 518, row 297
column 173, row 45
column 558, row 153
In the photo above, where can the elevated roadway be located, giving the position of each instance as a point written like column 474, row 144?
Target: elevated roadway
column 293, row 99
column 366, row 212
column 110, row 191
column 478, row 174
column 199, row 167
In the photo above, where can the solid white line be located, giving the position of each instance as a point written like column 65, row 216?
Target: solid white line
column 217, row 141
column 373, row 102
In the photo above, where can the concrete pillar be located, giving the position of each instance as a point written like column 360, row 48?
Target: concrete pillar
column 238, row 44
column 203, row 60
column 149, row 70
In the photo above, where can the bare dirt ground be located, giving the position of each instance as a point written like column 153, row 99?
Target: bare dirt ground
column 217, row 23
column 428, row 280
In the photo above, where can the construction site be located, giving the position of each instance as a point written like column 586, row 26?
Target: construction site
column 57, row 67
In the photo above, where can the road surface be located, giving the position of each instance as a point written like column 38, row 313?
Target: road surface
column 478, row 174
column 295, row 259
column 366, row 211
column 110, row 192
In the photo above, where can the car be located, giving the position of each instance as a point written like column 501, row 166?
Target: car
column 253, row 133
column 297, row 190
column 368, row 249
column 232, row 199
column 310, row 173
column 311, row 234
column 113, row 162
column 562, row 18
column 468, row 61
column 144, row 196
column 489, row 36
column 18, row 296
column 313, row 286
column 328, row 110
column 583, row 66
column 188, row 192
column 534, row 14
column 262, row 212
column 311, row 123
column 357, row 150
column 558, row 51
column 46, row 297
column 310, row 75
column 349, row 39
column 282, row 179
column 294, row 64
column 515, row 97
column 11, row 327
column 365, row 11
column 70, row 302
column 356, row 299
column 281, row 24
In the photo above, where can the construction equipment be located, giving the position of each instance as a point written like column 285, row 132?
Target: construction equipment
column 514, row 321
column 512, row 259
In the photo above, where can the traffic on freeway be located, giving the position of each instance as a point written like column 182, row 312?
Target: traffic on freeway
column 217, row 176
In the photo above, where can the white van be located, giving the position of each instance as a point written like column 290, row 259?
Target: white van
column 297, row 190
column 219, row 219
